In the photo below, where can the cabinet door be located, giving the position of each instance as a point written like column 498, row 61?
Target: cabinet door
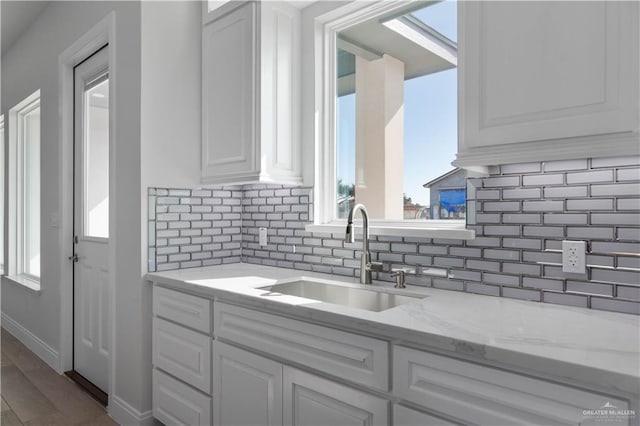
column 247, row 388
column 313, row 401
column 485, row 395
column 548, row 77
column 229, row 104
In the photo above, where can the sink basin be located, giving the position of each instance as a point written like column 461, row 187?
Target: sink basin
column 354, row 297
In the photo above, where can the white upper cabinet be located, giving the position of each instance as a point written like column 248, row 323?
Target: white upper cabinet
column 547, row 80
column 251, row 94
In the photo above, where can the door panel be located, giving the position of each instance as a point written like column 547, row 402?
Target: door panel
column 247, row 388
column 313, row 401
column 91, row 220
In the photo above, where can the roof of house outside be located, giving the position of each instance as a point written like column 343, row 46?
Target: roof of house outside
column 443, row 177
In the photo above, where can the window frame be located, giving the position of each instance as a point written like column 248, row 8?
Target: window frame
column 321, row 122
column 18, row 270
column 3, row 176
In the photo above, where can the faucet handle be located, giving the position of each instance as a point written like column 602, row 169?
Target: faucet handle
column 409, row 271
column 399, row 275
column 375, row 266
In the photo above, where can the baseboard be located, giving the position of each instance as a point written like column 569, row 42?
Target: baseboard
column 125, row 414
column 31, row 341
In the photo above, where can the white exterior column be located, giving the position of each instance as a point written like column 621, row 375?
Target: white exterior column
column 380, row 136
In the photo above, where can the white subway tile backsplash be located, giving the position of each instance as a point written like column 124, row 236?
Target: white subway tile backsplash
column 590, row 233
column 590, row 204
column 542, row 283
column 629, row 292
column 628, row 204
column 508, row 280
column 587, row 287
column 566, row 299
column 543, row 206
column 542, row 231
column 615, row 161
column 615, row 305
column 522, row 218
column 501, row 206
column 618, row 189
column 615, row 219
column 478, row 288
column 483, row 265
column 487, row 194
column 588, row 177
column 615, row 247
column 617, row 276
column 540, row 180
column 521, row 211
column 565, row 191
column 493, row 182
column 563, row 165
column 521, row 193
column 520, row 168
column 628, row 174
column 565, row 218
column 519, row 293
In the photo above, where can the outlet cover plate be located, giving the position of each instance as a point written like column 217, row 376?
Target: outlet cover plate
column 262, row 237
column 574, row 257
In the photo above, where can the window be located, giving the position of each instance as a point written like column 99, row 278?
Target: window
column 95, row 149
column 382, row 110
column 396, row 115
column 24, row 185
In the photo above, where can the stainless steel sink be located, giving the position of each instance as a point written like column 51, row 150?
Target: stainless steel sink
column 355, row 297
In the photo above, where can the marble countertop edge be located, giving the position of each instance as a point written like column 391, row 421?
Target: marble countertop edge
column 583, row 346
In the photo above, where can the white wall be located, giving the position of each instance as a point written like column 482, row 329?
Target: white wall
column 158, row 116
column 171, row 120
column 31, row 64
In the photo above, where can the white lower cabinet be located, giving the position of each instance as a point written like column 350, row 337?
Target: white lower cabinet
column 485, row 395
column 204, row 379
column 405, row 416
column 175, row 403
column 310, row 400
column 182, row 353
column 247, row 388
column 251, row 390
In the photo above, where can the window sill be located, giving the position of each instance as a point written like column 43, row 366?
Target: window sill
column 28, row 283
column 434, row 230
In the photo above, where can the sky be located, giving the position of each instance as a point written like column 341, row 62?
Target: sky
column 431, row 114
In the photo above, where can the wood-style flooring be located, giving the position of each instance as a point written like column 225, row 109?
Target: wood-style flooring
column 33, row 393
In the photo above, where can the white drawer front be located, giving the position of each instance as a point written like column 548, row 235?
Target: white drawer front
column 192, row 311
column 404, row 416
column 183, row 353
column 486, row 395
column 360, row 359
column 175, row 403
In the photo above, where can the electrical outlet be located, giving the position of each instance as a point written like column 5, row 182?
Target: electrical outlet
column 574, row 256
column 262, row 237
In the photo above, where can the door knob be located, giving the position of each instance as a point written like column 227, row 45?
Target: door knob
column 73, row 258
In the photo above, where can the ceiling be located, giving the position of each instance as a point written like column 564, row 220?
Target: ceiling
column 17, row 16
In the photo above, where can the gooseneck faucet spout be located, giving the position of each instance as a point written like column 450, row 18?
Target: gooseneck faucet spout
column 366, row 266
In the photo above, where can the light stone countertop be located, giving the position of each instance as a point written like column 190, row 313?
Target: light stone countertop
column 582, row 346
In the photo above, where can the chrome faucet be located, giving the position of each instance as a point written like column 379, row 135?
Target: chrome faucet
column 366, row 266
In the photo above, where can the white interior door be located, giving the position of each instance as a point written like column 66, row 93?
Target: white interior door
column 91, row 220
